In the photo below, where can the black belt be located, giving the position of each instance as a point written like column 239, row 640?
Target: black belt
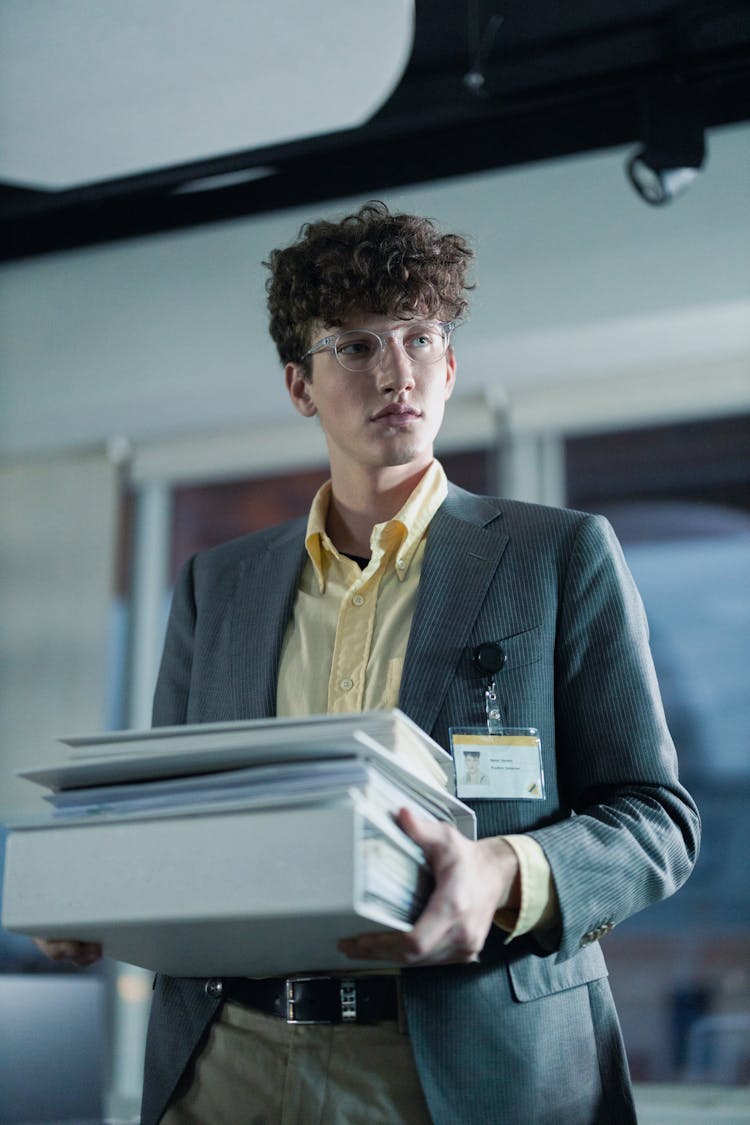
column 314, row 999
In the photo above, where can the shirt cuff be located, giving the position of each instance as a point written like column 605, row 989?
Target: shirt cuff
column 539, row 908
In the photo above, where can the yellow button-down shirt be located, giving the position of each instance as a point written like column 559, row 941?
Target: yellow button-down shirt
column 345, row 645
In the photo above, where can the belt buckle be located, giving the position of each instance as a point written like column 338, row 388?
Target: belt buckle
column 347, row 1000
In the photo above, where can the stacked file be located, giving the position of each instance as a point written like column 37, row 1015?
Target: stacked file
column 232, row 849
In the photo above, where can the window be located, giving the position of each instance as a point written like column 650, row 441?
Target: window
column 679, row 499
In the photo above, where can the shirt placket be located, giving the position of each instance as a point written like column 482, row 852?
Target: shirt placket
column 355, row 629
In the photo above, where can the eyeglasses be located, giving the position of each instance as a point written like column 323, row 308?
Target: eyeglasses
column 361, row 350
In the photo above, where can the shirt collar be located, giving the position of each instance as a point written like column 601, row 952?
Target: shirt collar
column 401, row 535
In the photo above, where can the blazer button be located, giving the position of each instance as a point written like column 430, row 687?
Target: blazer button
column 214, row 988
column 597, row 933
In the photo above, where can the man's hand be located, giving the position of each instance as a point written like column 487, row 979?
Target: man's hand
column 473, row 879
column 81, row 953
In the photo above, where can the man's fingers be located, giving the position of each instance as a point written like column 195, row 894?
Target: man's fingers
column 435, row 938
column 404, row 949
column 452, row 928
column 374, row 947
column 426, row 833
column 79, row 952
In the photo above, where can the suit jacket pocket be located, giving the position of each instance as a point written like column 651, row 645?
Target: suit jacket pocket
column 521, row 648
column 532, row 977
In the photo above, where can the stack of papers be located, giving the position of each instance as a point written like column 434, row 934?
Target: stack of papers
column 235, row 848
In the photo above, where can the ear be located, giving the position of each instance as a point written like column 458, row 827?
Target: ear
column 450, row 372
column 298, row 388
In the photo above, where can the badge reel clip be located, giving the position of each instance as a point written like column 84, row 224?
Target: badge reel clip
column 489, row 659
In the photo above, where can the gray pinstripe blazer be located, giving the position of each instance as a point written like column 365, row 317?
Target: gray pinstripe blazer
column 529, row 1035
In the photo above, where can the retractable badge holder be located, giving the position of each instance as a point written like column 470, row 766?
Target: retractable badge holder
column 497, row 762
column 489, row 659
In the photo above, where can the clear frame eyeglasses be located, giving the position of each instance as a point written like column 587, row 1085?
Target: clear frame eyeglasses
column 359, row 349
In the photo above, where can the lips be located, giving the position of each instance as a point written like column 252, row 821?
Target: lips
column 396, row 410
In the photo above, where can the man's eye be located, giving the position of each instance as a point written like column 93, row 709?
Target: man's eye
column 421, row 340
column 355, row 347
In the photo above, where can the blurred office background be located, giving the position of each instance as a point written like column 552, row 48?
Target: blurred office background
column 605, row 365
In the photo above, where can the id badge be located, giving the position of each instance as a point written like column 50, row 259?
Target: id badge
column 505, row 765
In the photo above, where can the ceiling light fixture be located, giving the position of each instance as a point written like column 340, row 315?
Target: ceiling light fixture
column 673, row 146
column 218, row 180
column 480, row 44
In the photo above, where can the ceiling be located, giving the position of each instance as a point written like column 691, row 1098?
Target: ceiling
column 94, row 92
column 400, row 94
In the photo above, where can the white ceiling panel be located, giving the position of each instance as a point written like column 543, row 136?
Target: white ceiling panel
column 93, row 90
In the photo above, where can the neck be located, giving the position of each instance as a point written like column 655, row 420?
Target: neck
column 356, row 506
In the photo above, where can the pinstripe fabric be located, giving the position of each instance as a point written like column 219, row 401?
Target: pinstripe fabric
column 528, row 1036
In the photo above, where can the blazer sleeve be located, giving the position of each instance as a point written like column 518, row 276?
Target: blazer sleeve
column 634, row 832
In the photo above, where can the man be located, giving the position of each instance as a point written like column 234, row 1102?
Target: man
column 501, row 1013
column 473, row 774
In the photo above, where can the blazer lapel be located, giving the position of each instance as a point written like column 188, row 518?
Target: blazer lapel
column 263, row 602
column 465, row 544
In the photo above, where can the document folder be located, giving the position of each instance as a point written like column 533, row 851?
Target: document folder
column 121, row 756
column 242, row 849
column 231, row 893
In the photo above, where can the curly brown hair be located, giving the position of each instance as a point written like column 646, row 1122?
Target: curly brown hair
column 372, row 261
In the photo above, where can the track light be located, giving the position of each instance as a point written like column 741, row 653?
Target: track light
column 673, row 146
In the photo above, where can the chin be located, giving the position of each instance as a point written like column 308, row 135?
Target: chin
column 404, row 456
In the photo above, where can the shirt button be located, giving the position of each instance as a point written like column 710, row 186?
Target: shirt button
column 346, row 685
column 358, row 599
column 401, row 564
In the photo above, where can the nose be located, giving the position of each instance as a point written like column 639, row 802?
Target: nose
column 395, row 370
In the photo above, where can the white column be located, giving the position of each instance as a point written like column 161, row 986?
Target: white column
column 150, row 577
column 533, row 466
column 130, row 987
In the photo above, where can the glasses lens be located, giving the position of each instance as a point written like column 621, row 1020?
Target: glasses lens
column 425, row 343
column 360, row 350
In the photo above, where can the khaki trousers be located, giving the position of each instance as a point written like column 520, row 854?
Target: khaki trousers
column 257, row 1070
